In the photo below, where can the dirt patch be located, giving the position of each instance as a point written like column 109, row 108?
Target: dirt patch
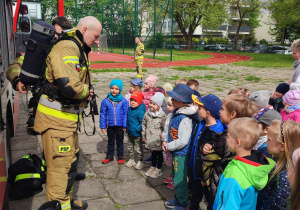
column 218, row 81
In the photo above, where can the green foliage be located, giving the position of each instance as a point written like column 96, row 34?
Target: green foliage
column 159, row 41
column 263, row 41
column 191, row 68
column 115, row 70
column 253, row 78
column 217, row 40
column 287, row 20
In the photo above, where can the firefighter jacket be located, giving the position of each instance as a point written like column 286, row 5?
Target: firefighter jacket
column 14, row 70
column 67, row 70
column 140, row 49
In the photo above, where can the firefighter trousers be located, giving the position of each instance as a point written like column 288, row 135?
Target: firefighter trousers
column 139, row 68
column 61, row 153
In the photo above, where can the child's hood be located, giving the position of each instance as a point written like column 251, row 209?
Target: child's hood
column 255, row 168
column 219, row 127
column 187, row 110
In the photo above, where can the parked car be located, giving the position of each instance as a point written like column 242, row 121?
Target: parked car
column 209, row 47
column 277, row 49
column 219, row 47
column 246, row 48
column 228, row 47
column 259, row 49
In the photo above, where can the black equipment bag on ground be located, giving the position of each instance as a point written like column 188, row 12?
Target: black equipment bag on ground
column 38, row 46
column 51, row 205
column 26, row 177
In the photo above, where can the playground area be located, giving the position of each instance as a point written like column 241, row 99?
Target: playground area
column 125, row 61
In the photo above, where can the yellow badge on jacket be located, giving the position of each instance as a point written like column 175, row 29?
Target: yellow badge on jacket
column 64, row 148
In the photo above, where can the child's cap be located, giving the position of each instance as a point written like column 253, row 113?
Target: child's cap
column 167, row 87
column 260, row 98
column 196, row 93
column 292, row 97
column 211, row 102
column 137, row 96
column 283, row 88
column 158, row 98
column 182, row 93
column 266, row 116
column 138, row 82
column 118, row 83
column 151, row 80
column 159, row 89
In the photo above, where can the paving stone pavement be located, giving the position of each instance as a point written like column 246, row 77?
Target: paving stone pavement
column 107, row 186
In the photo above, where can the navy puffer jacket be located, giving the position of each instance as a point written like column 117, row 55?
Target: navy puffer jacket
column 275, row 195
column 134, row 120
column 111, row 115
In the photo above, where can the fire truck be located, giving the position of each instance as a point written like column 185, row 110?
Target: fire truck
column 10, row 41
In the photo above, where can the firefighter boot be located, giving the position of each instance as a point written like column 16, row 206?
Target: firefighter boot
column 79, row 205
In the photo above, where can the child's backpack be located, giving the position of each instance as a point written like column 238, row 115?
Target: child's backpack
column 26, row 177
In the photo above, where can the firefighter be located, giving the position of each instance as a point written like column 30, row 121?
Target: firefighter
column 58, row 120
column 138, row 57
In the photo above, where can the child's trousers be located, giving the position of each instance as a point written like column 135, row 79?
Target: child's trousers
column 135, row 143
column 115, row 134
column 179, row 173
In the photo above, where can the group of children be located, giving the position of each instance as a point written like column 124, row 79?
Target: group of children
column 223, row 149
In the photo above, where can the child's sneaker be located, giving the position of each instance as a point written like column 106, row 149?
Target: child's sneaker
column 180, row 208
column 148, row 160
column 171, row 203
column 121, row 161
column 156, row 173
column 168, row 180
column 150, row 170
column 130, row 163
column 139, row 165
column 171, row 185
column 107, row 159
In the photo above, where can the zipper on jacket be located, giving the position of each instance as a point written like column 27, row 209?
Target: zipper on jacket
column 115, row 115
column 222, row 199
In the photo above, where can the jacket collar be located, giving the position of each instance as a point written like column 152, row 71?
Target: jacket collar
column 79, row 36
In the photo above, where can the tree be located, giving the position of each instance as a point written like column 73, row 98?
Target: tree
column 244, row 9
column 285, row 14
column 192, row 13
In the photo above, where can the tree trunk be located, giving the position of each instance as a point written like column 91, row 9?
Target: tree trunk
column 189, row 44
column 236, row 39
column 282, row 36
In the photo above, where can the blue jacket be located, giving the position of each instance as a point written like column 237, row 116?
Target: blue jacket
column 240, row 182
column 173, row 131
column 111, row 115
column 275, row 195
column 134, row 120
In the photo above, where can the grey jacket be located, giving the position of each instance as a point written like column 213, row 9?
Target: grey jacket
column 295, row 85
column 152, row 128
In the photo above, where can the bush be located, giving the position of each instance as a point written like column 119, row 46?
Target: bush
column 263, row 41
column 159, row 40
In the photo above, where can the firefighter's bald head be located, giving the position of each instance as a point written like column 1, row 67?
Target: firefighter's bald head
column 90, row 28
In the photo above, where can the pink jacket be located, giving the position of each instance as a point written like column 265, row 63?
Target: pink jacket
column 294, row 116
column 147, row 96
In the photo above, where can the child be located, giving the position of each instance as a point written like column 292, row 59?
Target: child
column 260, row 99
column 113, row 117
column 135, row 85
column 283, row 139
column 247, row 172
column 169, row 181
column 291, row 110
column 276, row 98
column 240, row 91
column 167, row 87
column 178, row 142
column 152, row 128
column 149, row 85
column 180, row 81
column 207, row 167
column 193, row 84
column 264, row 119
column 135, row 116
column 294, row 179
column 236, row 106
column 164, row 104
column 295, row 82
